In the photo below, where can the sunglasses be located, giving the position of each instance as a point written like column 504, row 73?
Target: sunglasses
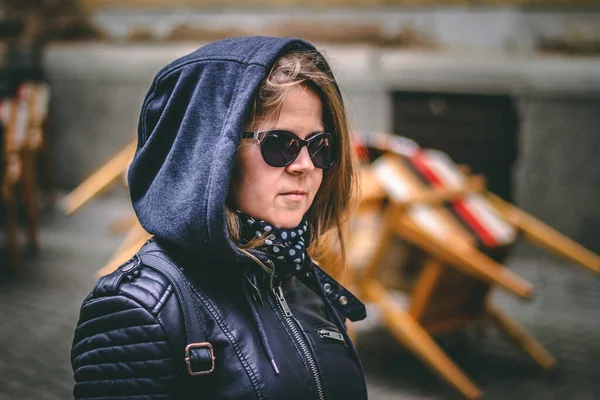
column 280, row 148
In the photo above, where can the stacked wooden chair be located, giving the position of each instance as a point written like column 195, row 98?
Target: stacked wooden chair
column 455, row 236
column 24, row 101
column 10, row 171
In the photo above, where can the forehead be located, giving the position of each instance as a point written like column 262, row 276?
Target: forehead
column 300, row 108
column 301, row 99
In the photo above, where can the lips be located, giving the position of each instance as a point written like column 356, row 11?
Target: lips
column 294, row 195
column 295, row 192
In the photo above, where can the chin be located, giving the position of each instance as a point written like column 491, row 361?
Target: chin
column 288, row 221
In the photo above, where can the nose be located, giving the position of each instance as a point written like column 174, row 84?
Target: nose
column 302, row 164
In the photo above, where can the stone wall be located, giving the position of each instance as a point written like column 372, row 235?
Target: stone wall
column 558, row 174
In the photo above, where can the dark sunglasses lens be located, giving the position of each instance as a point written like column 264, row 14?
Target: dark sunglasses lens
column 279, row 148
column 322, row 151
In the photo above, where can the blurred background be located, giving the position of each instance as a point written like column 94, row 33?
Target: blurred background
column 510, row 88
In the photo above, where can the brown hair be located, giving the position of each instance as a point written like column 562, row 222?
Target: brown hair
column 338, row 193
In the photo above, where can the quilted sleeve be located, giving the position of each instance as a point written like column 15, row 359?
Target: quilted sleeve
column 120, row 350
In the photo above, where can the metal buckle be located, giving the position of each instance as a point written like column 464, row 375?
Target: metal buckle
column 188, row 360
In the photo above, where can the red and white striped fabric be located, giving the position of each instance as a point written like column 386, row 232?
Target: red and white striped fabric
column 473, row 209
column 470, row 220
column 402, row 185
column 393, row 143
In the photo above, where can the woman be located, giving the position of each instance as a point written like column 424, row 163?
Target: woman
column 243, row 165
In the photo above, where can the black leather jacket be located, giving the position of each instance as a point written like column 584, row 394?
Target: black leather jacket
column 129, row 339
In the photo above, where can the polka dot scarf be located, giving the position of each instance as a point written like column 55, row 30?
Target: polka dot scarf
column 285, row 246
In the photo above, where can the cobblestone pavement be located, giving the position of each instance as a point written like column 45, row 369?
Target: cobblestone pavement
column 38, row 311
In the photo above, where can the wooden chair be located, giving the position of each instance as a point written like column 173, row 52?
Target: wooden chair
column 36, row 92
column 135, row 238
column 99, row 181
column 23, row 113
column 32, row 107
column 9, row 174
column 13, row 116
column 456, row 234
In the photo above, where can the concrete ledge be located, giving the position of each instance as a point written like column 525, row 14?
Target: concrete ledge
column 357, row 67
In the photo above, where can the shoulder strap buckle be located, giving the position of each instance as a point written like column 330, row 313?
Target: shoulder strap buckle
column 199, row 355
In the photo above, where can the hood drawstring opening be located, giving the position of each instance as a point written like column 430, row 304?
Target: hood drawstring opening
column 259, row 326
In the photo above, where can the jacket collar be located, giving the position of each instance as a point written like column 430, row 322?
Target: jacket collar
column 322, row 283
column 310, row 274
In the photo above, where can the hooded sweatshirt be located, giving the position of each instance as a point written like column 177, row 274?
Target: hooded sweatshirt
column 189, row 130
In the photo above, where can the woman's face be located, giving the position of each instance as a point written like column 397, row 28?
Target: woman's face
column 282, row 195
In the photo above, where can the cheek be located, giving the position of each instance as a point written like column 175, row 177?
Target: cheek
column 254, row 183
column 317, row 180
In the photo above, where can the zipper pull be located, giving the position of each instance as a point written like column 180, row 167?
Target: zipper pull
column 279, row 294
column 329, row 334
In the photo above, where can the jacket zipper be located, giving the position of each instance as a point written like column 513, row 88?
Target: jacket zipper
column 289, row 319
